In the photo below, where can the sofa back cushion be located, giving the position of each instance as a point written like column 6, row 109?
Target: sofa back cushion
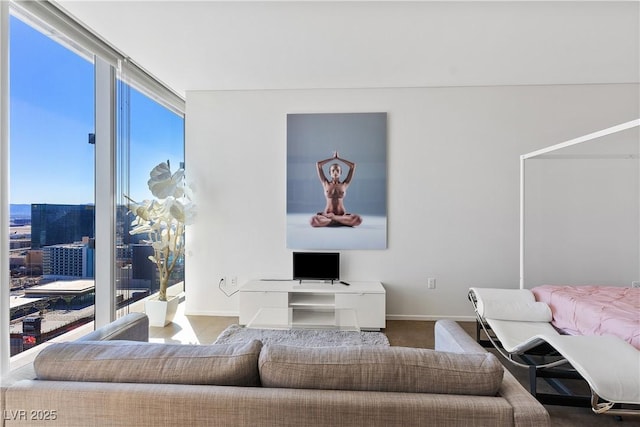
column 137, row 362
column 131, row 327
column 391, row 369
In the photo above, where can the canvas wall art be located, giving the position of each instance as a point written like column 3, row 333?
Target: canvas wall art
column 337, row 181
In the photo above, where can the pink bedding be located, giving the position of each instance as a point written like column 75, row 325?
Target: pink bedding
column 594, row 310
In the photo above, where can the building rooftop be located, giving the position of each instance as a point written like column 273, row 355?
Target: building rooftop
column 62, row 287
column 18, row 301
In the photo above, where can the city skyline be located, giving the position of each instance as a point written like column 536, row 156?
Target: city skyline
column 52, row 115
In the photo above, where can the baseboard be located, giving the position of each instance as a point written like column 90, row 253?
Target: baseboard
column 212, row 313
column 429, row 317
column 421, row 317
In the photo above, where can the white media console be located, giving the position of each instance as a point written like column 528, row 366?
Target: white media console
column 315, row 302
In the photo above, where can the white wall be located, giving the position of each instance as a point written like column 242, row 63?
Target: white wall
column 453, row 160
column 582, row 216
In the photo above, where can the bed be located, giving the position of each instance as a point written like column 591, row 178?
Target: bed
column 593, row 310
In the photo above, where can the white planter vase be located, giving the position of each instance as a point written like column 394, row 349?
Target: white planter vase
column 161, row 313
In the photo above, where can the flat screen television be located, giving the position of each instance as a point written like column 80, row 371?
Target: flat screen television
column 316, row 266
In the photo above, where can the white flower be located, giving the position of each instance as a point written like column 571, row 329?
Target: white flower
column 163, row 219
column 162, row 184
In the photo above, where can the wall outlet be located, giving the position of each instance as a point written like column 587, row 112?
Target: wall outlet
column 234, row 281
column 431, row 283
column 635, row 284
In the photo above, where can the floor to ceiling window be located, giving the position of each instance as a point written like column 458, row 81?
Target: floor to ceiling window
column 51, row 186
column 148, row 133
column 60, row 99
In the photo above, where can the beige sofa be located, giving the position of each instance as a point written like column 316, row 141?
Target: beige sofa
column 104, row 382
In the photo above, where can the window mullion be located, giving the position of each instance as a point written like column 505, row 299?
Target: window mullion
column 105, row 191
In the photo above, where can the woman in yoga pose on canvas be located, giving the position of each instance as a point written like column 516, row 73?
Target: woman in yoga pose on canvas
column 335, row 214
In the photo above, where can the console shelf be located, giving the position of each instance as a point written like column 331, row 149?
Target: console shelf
column 316, row 303
column 297, row 299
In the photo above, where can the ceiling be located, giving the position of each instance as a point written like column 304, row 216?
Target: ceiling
column 238, row 45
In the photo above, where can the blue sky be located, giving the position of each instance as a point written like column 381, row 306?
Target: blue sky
column 52, row 113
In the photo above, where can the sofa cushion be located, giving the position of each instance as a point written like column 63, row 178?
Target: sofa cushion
column 391, row 369
column 130, row 327
column 137, row 362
